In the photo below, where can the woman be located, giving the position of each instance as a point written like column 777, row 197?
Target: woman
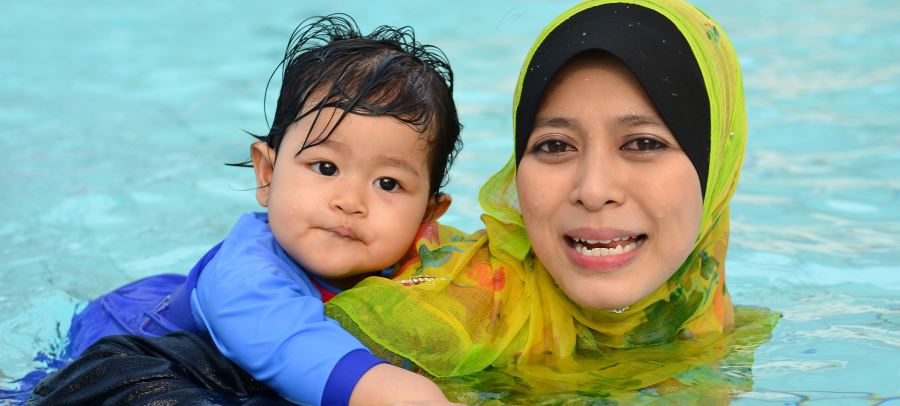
column 606, row 230
column 601, row 266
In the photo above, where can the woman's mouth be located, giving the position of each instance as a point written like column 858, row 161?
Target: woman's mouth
column 604, row 248
column 604, row 255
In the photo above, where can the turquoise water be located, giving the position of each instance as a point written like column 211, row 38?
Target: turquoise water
column 117, row 117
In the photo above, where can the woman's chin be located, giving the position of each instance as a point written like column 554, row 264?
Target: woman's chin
column 596, row 297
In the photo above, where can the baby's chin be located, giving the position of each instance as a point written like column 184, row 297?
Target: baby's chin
column 344, row 278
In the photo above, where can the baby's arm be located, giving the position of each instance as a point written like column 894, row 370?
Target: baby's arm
column 386, row 384
column 268, row 321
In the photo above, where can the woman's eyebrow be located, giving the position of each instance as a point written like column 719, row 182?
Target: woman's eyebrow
column 555, row 122
column 631, row 120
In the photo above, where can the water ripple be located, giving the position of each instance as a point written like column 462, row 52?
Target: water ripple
column 856, row 333
column 830, row 305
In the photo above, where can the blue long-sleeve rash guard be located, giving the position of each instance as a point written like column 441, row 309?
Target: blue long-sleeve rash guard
column 265, row 313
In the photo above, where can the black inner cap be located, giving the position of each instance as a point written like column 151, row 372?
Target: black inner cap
column 658, row 56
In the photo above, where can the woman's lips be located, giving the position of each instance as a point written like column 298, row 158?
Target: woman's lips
column 604, row 254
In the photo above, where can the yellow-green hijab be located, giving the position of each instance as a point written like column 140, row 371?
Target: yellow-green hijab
column 464, row 303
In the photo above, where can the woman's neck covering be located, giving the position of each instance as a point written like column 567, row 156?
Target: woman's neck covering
column 464, row 303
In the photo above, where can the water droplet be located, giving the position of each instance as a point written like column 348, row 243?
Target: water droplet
column 731, row 134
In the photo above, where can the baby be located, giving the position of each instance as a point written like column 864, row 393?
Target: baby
column 364, row 133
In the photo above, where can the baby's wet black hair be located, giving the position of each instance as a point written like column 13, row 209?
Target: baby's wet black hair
column 329, row 63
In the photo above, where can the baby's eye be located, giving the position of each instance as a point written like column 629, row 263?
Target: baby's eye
column 644, row 144
column 324, row 168
column 552, row 147
column 388, row 184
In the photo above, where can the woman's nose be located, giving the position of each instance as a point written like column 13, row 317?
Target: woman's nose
column 599, row 182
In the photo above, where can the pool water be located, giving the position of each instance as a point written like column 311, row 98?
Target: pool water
column 118, row 117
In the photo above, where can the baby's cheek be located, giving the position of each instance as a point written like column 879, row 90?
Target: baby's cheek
column 401, row 232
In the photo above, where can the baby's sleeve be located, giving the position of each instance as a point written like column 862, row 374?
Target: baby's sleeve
column 272, row 324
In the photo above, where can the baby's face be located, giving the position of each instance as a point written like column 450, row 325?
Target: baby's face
column 611, row 204
column 352, row 204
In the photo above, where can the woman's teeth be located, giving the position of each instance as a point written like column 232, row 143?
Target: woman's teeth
column 586, row 241
column 582, row 249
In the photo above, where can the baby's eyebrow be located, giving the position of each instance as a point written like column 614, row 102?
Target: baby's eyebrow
column 398, row 163
column 333, row 144
column 328, row 143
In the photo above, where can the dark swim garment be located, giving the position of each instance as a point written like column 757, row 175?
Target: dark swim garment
column 181, row 368
column 161, row 304
column 654, row 50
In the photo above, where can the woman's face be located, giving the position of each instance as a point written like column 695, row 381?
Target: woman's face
column 611, row 203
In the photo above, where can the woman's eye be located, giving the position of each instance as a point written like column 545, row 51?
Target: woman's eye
column 643, row 144
column 388, row 184
column 553, row 147
column 325, row 168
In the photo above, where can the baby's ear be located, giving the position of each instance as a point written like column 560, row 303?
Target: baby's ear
column 263, row 158
column 437, row 206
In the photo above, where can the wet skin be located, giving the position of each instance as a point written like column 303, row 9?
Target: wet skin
column 611, row 204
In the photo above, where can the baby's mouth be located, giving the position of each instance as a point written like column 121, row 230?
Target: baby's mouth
column 604, row 248
column 343, row 232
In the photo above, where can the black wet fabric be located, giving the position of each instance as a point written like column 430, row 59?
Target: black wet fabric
column 181, row 368
column 658, row 56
